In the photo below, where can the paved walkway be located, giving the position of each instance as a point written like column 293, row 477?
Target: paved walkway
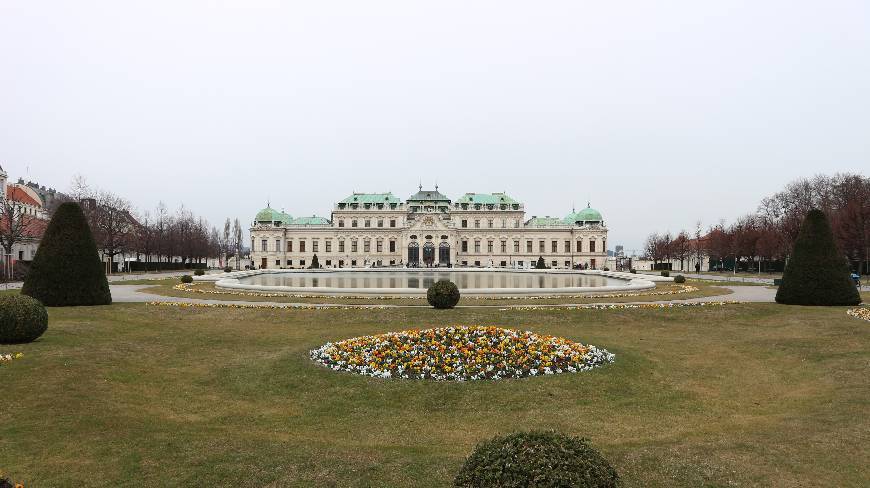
column 738, row 278
column 134, row 293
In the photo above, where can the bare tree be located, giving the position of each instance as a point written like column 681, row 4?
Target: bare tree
column 16, row 226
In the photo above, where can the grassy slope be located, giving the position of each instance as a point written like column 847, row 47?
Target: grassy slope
column 130, row 395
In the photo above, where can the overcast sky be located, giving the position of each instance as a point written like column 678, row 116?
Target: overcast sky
column 661, row 113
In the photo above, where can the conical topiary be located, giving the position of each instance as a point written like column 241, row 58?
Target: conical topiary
column 817, row 273
column 67, row 269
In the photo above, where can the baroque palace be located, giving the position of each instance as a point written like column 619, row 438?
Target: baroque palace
column 428, row 230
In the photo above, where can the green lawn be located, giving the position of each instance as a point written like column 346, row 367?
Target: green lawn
column 136, row 395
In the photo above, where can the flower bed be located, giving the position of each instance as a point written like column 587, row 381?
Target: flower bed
column 9, row 357
column 860, row 313
column 192, row 288
column 460, row 354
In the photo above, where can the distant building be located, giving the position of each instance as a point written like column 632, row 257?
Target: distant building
column 427, row 230
column 28, row 202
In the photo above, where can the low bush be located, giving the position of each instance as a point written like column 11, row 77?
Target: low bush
column 187, row 279
column 543, row 459
column 22, row 319
column 227, row 269
column 666, row 273
column 679, row 279
column 605, row 269
column 199, row 272
column 632, row 271
column 443, row 294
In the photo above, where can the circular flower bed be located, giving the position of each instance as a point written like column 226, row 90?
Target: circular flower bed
column 459, row 354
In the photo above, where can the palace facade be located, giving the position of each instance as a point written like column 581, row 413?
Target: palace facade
column 426, row 230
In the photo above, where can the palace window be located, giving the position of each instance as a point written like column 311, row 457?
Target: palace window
column 554, row 246
column 367, row 245
column 591, row 246
column 529, row 246
column 476, row 246
column 314, row 245
column 489, row 246
column 353, row 246
column 302, row 263
column 579, row 246
column 490, row 223
column 541, row 246
column 503, row 247
column 289, row 262
column 329, row 245
column 392, row 246
column 277, row 262
column 464, row 246
column 516, row 246
column 341, row 223
column 567, row 246
column 301, row 246
column 289, row 246
column 340, row 246
column 477, row 224
column 464, row 223
column 379, row 246
column 392, row 222
column 380, row 222
column 353, row 223
column 265, row 245
column 368, row 223
column 503, row 223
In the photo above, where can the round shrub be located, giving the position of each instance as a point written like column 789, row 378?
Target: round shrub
column 544, row 459
column 22, row 319
column 198, row 272
column 227, row 269
column 605, row 269
column 187, row 279
column 666, row 273
column 67, row 270
column 679, row 279
column 632, row 271
column 443, row 294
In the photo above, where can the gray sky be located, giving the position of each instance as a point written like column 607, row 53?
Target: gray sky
column 661, row 113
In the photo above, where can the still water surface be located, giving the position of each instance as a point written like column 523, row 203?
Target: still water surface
column 424, row 279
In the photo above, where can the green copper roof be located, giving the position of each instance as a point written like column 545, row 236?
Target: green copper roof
column 544, row 221
column 428, row 196
column 585, row 215
column 371, row 198
column 313, row 220
column 269, row 214
column 487, row 198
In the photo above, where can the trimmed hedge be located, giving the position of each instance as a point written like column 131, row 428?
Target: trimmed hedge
column 186, row 279
column 443, row 294
column 22, row 319
column 665, row 273
column 817, row 273
column 227, row 269
column 632, row 271
column 679, row 279
column 199, row 272
column 541, row 459
column 67, row 269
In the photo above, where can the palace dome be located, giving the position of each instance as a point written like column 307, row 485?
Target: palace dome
column 270, row 215
column 587, row 215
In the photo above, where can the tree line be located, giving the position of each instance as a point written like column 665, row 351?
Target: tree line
column 764, row 238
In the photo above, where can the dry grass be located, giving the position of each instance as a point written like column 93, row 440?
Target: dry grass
column 131, row 395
